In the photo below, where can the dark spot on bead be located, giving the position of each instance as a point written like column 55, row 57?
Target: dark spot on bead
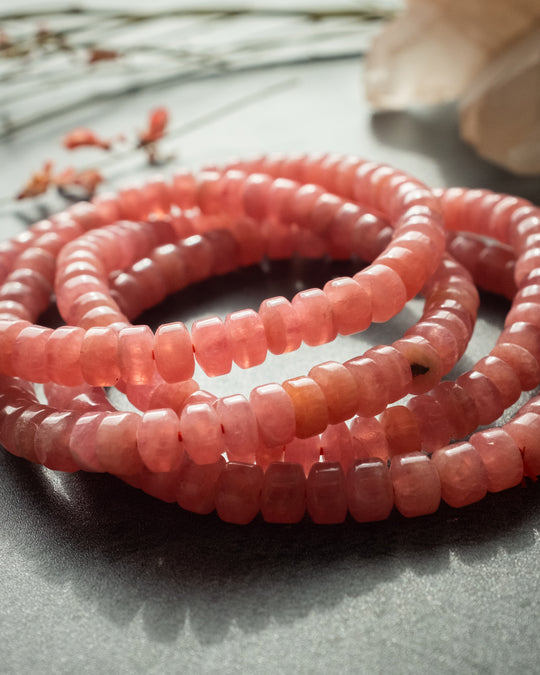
column 418, row 369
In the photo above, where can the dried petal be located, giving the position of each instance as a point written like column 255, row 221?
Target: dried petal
column 84, row 137
column 157, row 124
column 38, row 183
column 95, row 55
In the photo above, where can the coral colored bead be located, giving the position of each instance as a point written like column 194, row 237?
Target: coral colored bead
column 197, row 485
column 522, row 362
column 157, row 440
column 247, row 337
column 485, row 394
column 395, row 369
column 212, row 346
column 501, row 458
column 339, row 388
column 256, row 196
column 525, row 430
column 401, row 429
column 431, row 420
column 173, row 352
column 25, row 430
column 310, row 406
column 201, row 432
column 281, row 325
column 135, row 345
column 417, row 488
column 426, row 364
column 370, row 495
column 315, row 315
column 28, row 354
column 275, row 414
column 337, row 445
column 283, row 498
column 116, row 443
column 238, row 492
column 350, row 301
column 239, row 426
column 52, row 441
column 462, row 474
column 326, row 493
column 369, row 439
column 372, row 391
column 82, row 441
column 525, row 335
column 99, row 356
column 303, row 451
column 441, row 339
column 461, row 410
column 266, row 456
column 388, row 292
column 9, row 331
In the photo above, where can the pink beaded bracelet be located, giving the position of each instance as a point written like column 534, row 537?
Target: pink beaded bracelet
column 237, row 488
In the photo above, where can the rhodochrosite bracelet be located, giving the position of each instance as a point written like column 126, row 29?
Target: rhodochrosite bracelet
column 327, row 442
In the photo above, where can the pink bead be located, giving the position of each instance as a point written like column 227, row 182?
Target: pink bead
column 326, row 493
column 116, row 443
column 369, row 439
column 256, row 195
column 135, row 357
column 395, row 369
column 417, row 488
column 173, row 352
column 310, row 406
column 247, row 337
column 212, row 346
column 303, row 451
column 201, row 433
column 521, row 361
column 163, row 486
column 337, row 445
column 426, row 364
column 370, row 495
column 28, row 355
column 485, row 394
column 9, row 331
column 350, row 303
column 411, row 272
column 99, row 357
column 281, row 325
column 388, row 292
column 371, row 388
column 283, row 498
column 441, row 339
column 196, row 256
column 274, row 411
column 197, row 485
column 525, row 430
column 460, row 409
column 183, row 189
column 401, row 429
column 239, row 426
column 339, row 388
column 525, row 335
column 462, row 474
column 432, row 422
column 501, row 458
column 82, row 441
column 238, row 492
column 315, row 315
column 52, row 441
column 158, row 440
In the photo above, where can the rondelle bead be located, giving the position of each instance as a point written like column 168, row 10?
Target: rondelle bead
column 247, row 337
column 369, row 439
column 426, row 364
column 339, row 388
column 525, row 430
column 281, row 325
column 63, row 356
column 135, row 354
column 82, row 441
column 501, row 458
column 238, row 492
column 395, row 369
column 201, row 433
column 116, row 443
column 315, row 315
column 417, row 488
column 9, row 331
column 173, row 352
column 197, row 485
column 212, row 347
column 326, row 493
column 25, row 429
column 401, row 429
column 388, row 292
column 51, row 442
column 350, row 301
column 303, row 451
column 28, row 353
column 460, row 409
column 462, row 473
column 99, row 356
column 158, row 442
column 275, row 414
column 283, row 498
column 239, row 426
column 432, row 422
column 522, row 362
column 370, row 495
column 485, row 394
column 337, row 445
column 371, row 388
column 310, row 406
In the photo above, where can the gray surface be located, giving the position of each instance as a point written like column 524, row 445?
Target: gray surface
column 99, row 578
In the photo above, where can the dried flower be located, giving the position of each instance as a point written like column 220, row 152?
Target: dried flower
column 157, row 123
column 82, row 136
column 38, row 183
column 486, row 51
